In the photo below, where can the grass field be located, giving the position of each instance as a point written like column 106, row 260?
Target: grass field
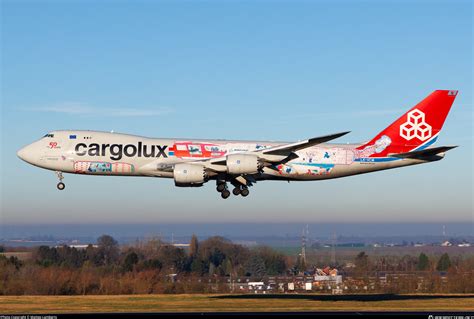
column 213, row 303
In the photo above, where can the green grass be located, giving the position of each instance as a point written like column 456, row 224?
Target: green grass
column 212, row 303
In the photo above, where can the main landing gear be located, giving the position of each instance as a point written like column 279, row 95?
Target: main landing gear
column 241, row 190
column 60, row 185
column 222, row 188
column 237, row 190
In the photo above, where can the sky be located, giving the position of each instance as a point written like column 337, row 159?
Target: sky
column 262, row 70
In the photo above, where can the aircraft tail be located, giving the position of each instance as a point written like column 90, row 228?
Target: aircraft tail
column 415, row 130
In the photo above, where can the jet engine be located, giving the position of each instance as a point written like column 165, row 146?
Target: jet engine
column 243, row 164
column 189, row 175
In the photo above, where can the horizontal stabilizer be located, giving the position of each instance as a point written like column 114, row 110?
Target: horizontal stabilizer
column 423, row 153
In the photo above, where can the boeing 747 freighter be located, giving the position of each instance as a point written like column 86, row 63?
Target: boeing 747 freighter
column 191, row 162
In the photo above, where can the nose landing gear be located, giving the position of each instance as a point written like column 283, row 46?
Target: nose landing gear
column 60, row 185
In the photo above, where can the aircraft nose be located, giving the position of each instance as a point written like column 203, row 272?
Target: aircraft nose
column 25, row 154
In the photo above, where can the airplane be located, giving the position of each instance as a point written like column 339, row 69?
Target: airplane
column 192, row 162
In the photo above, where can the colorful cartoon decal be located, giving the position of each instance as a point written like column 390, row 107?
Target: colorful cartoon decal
column 382, row 143
column 284, row 169
column 100, row 167
column 87, row 167
column 336, row 155
column 187, row 149
column 305, row 169
column 200, row 150
column 378, row 147
column 261, row 147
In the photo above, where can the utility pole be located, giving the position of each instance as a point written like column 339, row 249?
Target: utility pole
column 303, row 247
column 333, row 249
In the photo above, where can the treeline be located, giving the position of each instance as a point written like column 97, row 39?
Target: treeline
column 214, row 256
column 212, row 265
column 146, row 267
column 363, row 263
column 413, row 274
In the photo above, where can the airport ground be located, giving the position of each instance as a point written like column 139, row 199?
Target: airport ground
column 237, row 303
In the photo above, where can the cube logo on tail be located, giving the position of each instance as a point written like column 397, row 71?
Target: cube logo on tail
column 415, row 126
column 418, row 127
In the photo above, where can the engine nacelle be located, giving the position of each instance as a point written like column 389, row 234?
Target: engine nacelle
column 189, row 175
column 242, row 164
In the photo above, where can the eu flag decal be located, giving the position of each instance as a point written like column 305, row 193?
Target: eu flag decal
column 72, row 137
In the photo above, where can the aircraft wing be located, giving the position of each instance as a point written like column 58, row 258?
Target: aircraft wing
column 287, row 149
column 428, row 152
column 278, row 154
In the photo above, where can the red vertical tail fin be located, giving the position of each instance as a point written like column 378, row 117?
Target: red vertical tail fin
column 416, row 129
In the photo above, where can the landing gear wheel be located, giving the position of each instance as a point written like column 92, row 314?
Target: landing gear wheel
column 225, row 194
column 244, row 192
column 236, row 191
column 220, row 187
column 60, row 185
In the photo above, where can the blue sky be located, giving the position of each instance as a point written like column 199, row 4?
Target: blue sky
column 237, row 70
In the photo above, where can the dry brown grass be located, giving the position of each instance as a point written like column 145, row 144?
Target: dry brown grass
column 212, row 303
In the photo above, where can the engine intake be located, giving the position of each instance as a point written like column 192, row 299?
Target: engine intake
column 242, row 164
column 189, row 175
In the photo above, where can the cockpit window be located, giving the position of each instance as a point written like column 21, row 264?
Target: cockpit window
column 49, row 135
